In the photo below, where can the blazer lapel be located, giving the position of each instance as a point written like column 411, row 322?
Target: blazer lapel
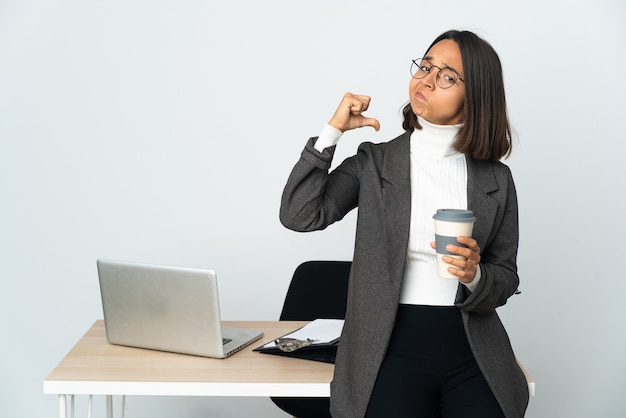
column 396, row 190
column 481, row 181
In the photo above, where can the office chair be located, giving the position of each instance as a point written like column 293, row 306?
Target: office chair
column 318, row 289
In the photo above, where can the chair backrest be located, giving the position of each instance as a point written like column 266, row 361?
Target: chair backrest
column 318, row 289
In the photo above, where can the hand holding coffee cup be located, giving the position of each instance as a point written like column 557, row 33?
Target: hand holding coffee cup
column 458, row 254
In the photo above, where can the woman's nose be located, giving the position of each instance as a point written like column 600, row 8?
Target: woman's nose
column 430, row 80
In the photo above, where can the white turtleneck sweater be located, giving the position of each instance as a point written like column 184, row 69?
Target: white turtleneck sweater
column 438, row 180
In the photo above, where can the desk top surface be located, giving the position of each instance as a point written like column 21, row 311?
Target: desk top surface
column 93, row 366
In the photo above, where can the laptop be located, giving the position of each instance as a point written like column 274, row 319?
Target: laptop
column 166, row 308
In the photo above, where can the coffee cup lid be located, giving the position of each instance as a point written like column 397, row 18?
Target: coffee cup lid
column 454, row 215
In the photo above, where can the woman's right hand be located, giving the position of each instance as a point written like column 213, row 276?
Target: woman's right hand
column 349, row 114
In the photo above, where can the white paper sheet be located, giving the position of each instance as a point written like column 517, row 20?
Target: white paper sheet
column 322, row 331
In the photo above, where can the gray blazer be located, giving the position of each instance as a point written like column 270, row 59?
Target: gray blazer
column 377, row 180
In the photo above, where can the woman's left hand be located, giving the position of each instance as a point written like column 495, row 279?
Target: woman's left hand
column 465, row 268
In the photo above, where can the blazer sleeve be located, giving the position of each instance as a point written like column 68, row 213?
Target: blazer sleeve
column 313, row 198
column 498, row 263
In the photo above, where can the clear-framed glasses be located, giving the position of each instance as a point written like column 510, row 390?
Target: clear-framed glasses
column 446, row 77
column 292, row 344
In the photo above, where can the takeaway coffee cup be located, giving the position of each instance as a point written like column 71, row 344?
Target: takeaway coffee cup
column 449, row 224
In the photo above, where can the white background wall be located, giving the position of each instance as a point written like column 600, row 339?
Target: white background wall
column 163, row 131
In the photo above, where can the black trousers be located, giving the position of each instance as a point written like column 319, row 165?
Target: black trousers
column 429, row 370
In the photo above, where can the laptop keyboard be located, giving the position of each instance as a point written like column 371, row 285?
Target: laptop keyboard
column 226, row 341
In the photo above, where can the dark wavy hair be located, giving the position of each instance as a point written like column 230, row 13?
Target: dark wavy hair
column 486, row 132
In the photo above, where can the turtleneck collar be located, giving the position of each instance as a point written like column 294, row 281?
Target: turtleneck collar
column 435, row 139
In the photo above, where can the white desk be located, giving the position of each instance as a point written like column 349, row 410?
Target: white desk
column 95, row 367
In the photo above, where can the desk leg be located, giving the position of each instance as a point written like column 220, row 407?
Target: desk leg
column 62, row 407
column 109, row 406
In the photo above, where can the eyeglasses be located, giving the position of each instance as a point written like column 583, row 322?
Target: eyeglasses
column 292, row 344
column 445, row 78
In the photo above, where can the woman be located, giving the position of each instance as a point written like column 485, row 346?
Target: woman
column 415, row 344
